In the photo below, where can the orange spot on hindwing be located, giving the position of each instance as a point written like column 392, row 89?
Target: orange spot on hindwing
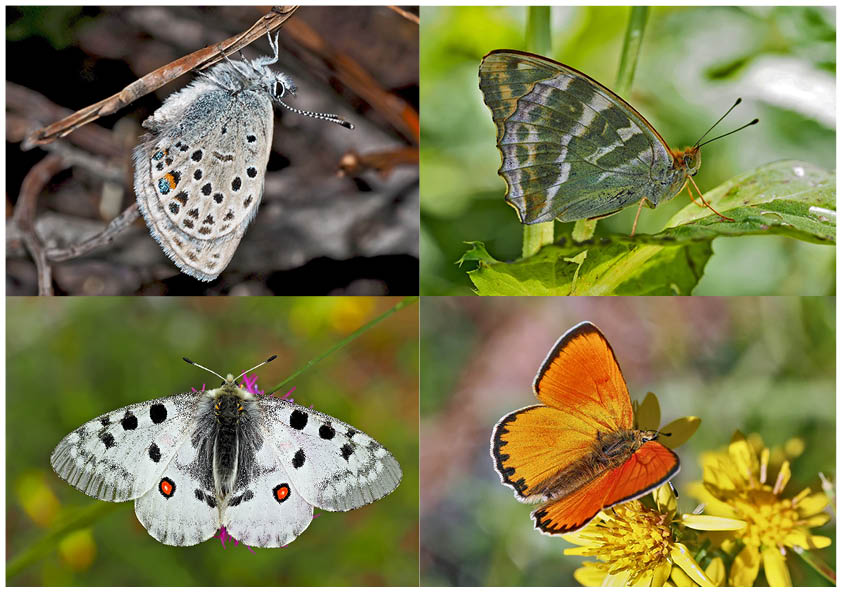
column 281, row 492
column 166, row 487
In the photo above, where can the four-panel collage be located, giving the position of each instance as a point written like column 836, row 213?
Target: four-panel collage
column 367, row 296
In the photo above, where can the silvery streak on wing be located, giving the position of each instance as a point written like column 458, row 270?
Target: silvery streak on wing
column 199, row 174
column 571, row 148
column 196, row 462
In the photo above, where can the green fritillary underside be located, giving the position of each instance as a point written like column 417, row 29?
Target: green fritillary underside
column 571, row 148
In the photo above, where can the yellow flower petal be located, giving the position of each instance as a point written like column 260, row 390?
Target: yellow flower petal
column 742, row 455
column 816, row 520
column 579, row 538
column 621, row 579
column 677, row 432
column 783, row 478
column 804, row 539
column 712, row 505
column 578, row 551
column 661, row 573
column 705, row 522
column 648, row 415
column 680, row 578
column 812, row 504
column 665, row 499
column 716, row 572
column 680, row 555
column 644, row 580
column 589, row 576
column 745, row 568
column 774, row 566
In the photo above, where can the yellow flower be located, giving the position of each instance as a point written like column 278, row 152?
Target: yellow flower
column 734, row 486
column 636, row 546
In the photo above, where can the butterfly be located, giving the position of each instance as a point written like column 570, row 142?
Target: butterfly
column 579, row 451
column 199, row 173
column 197, row 462
column 571, row 148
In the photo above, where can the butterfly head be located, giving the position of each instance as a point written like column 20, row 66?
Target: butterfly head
column 689, row 160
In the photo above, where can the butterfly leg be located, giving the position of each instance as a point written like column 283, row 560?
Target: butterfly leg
column 637, row 216
column 706, row 203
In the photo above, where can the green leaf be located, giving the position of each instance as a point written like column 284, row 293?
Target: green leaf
column 609, row 266
column 789, row 198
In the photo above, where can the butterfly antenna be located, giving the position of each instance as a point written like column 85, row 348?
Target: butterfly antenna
column 752, row 123
column 319, row 116
column 255, row 367
column 192, row 363
column 736, row 103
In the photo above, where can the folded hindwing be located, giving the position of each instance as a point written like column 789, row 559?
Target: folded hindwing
column 199, row 175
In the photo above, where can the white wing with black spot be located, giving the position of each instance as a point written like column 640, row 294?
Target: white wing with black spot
column 333, row 465
column 268, row 511
column 180, row 509
column 121, row 455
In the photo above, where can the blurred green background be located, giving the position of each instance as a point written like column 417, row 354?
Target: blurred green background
column 694, row 62
column 72, row 359
column 763, row 366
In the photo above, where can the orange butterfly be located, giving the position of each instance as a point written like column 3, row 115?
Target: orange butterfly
column 579, row 452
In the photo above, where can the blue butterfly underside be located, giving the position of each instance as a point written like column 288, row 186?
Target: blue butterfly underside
column 571, row 148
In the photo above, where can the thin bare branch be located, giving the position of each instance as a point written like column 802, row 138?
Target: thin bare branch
column 397, row 112
column 383, row 162
column 198, row 60
column 406, row 14
column 24, row 216
column 115, row 227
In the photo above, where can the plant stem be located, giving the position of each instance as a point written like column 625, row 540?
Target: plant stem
column 537, row 41
column 584, row 229
column 399, row 306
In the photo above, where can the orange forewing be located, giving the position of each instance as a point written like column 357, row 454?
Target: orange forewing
column 649, row 467
column 581, row 377
column 585, row 395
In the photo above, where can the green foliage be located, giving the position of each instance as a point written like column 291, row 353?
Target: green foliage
column 786, row 198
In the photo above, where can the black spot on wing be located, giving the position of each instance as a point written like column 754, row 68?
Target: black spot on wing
column 326, row 432
column 298, row 459
column 154, row 453
column 346, row 451
column 158, row 413
column 129, row 421
column 107, row 440
column 298, row 419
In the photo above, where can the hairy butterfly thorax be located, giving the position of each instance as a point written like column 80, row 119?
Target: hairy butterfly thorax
column 253, row 464
column 199, row 173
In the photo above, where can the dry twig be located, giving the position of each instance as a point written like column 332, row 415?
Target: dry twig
column 198, row 60
column 106, row 236
column 406, row 14
column 24, row 216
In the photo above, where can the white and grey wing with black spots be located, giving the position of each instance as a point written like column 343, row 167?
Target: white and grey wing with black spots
column 267, row 510
column 122, row 454
column 334, row 466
